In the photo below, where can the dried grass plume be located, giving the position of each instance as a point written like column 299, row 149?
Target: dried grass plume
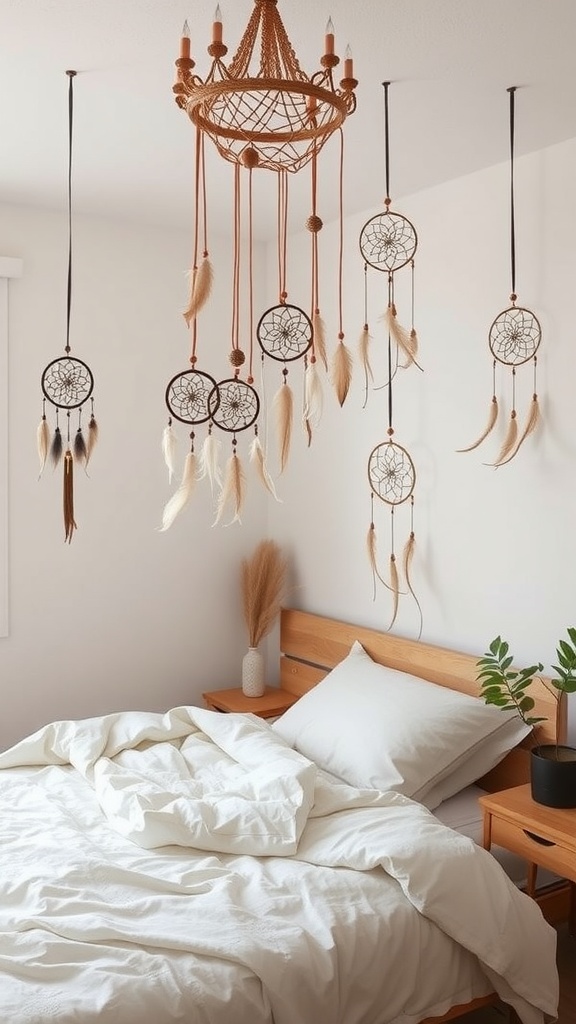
column 263, row 580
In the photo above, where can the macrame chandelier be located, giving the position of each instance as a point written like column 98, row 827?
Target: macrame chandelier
column 514, row 339
column 67, row 384
column 388, row 242
column 262, row 112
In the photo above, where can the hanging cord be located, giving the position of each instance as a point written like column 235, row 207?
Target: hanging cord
column 197, row 174
column 390, row 428
column 387, row 200
column 71, row 76
column 513, row 295
column 236, row 271
column 282, row 232
column 341, row 237
column 250, row 281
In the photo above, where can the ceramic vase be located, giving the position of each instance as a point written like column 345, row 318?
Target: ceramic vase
column 253, row 673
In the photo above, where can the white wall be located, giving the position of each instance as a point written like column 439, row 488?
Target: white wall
column 128, row 617
column 496, row 548
column 125, row 616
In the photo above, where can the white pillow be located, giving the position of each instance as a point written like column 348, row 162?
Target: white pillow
column 377, row 728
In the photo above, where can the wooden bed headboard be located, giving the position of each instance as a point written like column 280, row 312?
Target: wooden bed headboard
column 311, row 645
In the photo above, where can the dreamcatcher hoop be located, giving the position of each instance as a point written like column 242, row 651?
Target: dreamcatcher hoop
column 388, row 241
column 391, row 473
column 234, row 405
column 67, row 382
column 515, row 336
column 192, row 396
column 285, row 332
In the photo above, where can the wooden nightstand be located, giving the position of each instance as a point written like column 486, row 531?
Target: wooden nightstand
column 273, row 702
column 544, row 836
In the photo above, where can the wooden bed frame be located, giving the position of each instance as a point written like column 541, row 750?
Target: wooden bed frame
column 311, row 645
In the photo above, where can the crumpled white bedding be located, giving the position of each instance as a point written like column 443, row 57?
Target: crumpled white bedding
column 191, row 867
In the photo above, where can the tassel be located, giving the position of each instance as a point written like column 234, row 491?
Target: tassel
column 69, row 523
column 319, row 337
column 202, row 278
column 232, row 490
column 43, row 442
column 313, row 397
column 182, row 495
column 169, row 449
column 209, row 466
column 56, row 447
column 92, row 438
column 407, row 559
column 342, row 372
column 257, row 457
column 507, row 450
column 491, row 422
column 407, row 341
column 284, row 404
column 79, row 446
column 394, row 587
column 533, row 420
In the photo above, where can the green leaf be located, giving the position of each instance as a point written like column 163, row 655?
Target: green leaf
column 526, row 704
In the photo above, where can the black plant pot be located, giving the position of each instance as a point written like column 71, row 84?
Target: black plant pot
column 553, row 775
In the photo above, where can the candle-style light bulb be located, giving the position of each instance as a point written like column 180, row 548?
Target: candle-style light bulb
column 185, row 40
column 348, row 63
column 217, row 26
column 329, row 37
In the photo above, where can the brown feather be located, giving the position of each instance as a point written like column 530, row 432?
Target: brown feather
column 490, row 425
column 342, row 372
column 394, row 588
column 507, row 451
column 56, row 447
column 364, row 345
column 531, row 424
column 69, row 522
column 201, row 278
column 405, row 339
column 319, row 338
column 407, row 559
column 371, row 545
column 92, row 438
column 284, row 407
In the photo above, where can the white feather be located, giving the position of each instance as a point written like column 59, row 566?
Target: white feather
column 169, row 450
column 313, row 395
column 43, row 441
column 257, row 456
column 209, row 461
column 180, row 497
column 232, row 491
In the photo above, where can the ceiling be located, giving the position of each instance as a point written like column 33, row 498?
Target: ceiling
column 449, row 62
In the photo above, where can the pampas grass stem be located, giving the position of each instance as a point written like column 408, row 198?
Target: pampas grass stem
column 263, row 580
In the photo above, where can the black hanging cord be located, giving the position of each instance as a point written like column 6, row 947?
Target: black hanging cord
column 386, row 141
column 71, row 75
column 512, row 90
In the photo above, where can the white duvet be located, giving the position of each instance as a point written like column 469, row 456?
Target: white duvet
column 191, row 867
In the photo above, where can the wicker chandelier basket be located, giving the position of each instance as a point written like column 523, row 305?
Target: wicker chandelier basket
column 261, row 109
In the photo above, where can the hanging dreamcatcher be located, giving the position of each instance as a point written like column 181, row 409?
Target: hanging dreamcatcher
column 514, row 339
column 392, row 479
column 195, row 398
column 388, row 242
column 67, row 385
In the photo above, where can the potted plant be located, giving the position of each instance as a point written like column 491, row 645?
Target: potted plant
column 553, row 765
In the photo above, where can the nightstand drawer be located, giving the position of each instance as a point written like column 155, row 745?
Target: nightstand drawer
column 533, row 848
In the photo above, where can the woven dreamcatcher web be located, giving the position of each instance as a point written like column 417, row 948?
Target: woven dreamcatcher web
column 388, row 242
column 67, row 384
column 514, row 339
